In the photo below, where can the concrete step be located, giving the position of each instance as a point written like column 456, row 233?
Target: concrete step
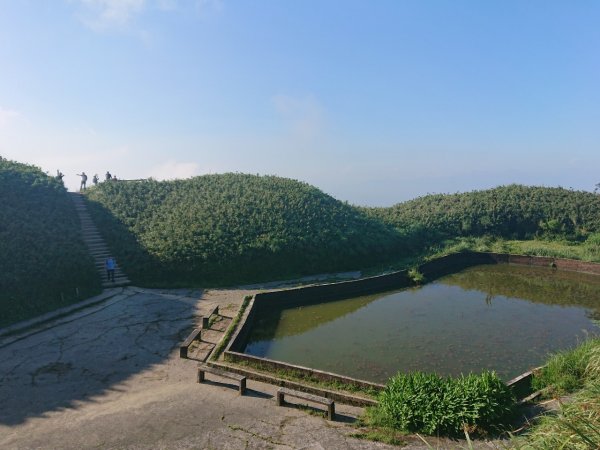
column 98, row 251
column 94, row 240
column 95, row 243
column 107, row 284
column 97, row 247
column 101, row 254
column 118, row 276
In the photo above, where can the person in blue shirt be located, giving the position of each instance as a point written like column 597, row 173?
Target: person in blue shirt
column 110, row 268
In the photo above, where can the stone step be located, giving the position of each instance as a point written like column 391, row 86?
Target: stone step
column 118, row 278
column 107, row 284
column 95, row 247
column 100, row 254
column 94, row 240
column 101, row 268
column 90, row 239
column 95, row 243
column 98, row 248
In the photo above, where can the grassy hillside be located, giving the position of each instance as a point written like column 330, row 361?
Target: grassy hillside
column 41, row 254
column 515, row 211
column 234, row 228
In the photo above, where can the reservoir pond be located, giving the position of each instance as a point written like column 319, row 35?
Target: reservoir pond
column 506, row 318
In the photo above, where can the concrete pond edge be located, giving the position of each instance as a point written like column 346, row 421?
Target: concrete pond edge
column 236, row 361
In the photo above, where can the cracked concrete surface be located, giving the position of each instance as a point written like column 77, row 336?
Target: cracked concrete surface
column 110, row 376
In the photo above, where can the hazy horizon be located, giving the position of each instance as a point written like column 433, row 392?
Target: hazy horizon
column 372, row 102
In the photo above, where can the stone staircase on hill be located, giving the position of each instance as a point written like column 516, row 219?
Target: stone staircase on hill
column 96, row 245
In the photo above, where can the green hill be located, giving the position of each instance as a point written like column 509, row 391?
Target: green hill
column 234, row 228
column 514, row 211
column 41, row 252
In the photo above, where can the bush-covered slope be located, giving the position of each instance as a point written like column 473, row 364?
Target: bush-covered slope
column 234, row 228
column 513, row 211
column 41, row 251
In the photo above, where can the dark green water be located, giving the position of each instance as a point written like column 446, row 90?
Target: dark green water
column 500, row 317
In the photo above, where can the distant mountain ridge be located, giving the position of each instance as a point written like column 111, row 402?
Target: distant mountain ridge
column 513, row 211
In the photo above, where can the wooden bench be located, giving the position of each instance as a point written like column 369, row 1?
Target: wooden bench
column 206, row 319
column 183, row 348
column 203, row 368
column 305, row 396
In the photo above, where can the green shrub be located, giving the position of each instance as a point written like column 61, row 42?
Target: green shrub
column 515, row 212
column 416, row 276
column 430, row 404
column 42, row 256
column 231, row 228
column 593, row 239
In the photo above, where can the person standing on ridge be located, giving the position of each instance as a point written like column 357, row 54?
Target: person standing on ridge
column 83, row 181
column 110, row 265
column 108, row 176
column 95, row 180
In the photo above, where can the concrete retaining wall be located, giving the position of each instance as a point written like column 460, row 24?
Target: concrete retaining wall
column 396, row 280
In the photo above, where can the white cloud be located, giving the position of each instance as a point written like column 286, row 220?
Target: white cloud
column 103, row 14
column 7, row 116
column 304, row 116
column 171, row 170
column 209, row 5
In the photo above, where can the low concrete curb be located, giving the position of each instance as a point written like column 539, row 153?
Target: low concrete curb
column 58, row 313
column 338, row 396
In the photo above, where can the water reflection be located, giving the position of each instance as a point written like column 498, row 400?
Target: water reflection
column 503, row 317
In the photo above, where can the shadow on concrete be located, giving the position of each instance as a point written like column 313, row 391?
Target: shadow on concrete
column 109, row 347
column 225, row 384
column 258, row 394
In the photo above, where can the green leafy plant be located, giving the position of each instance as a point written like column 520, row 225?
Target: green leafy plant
column 416, row 276
column 430, row 404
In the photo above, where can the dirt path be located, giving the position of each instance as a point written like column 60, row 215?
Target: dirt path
column 110, row 376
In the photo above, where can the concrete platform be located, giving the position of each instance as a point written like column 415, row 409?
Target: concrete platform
column 109, row 376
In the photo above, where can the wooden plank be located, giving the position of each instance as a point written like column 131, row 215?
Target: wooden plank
column 203, row 368
column 206, row 319
column 306, row 396
column 183, row 348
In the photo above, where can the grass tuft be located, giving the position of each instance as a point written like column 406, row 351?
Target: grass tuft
column 569, row 370
column 219, row 349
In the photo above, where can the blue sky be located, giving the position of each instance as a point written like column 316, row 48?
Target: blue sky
column 374, row 102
